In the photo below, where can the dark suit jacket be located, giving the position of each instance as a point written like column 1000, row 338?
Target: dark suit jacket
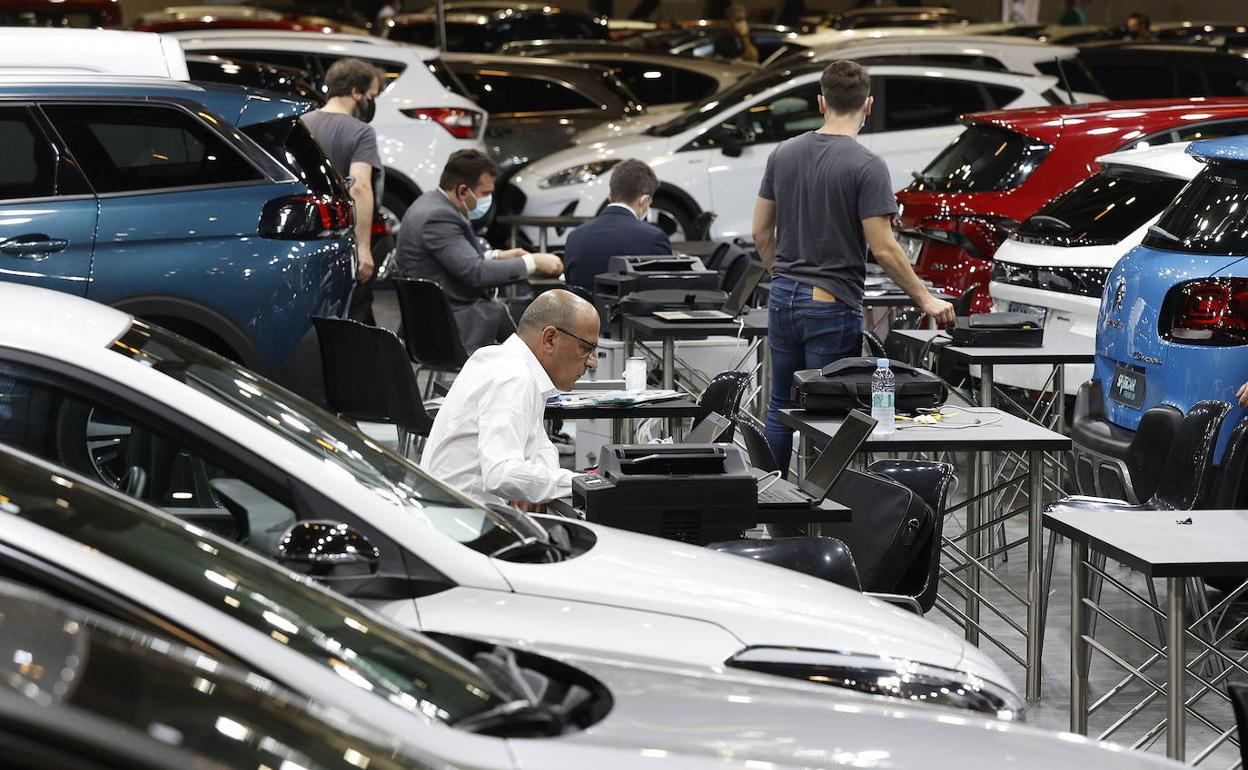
column 614, row 232
column 437, row 242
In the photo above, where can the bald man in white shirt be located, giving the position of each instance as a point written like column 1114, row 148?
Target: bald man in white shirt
column 488, row 440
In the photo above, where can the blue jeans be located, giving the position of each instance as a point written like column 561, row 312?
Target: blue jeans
column 802, row 334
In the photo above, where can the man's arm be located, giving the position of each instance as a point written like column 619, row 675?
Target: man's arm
column 765, row 230
column 890, row 256
column 503, row 423
column 362, row 194
column 444, row 238
column 661, row 244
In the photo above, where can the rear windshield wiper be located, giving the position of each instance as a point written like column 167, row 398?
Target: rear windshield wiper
column 1163, row 233
column 1046, row 221
column 918, row 177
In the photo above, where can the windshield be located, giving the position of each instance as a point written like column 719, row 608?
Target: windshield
column 59, row 657
column 405, row 668
column 984, row 158
column 716, row 103
column 342, row 447
column 1210, row 216
column 1102, row 209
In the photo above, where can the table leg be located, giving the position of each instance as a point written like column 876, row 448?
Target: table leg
column 617, row 430
column 630, row 343
column 764, row 379
column 987, row 460
column 974, row 543
column 515, row 229
column 1176, row 601
column 1059, row 394
column 985, row 385
column 1079, row 658
column 669, row 363
column 1035, row 551
column 805, row 450
column 541, row 240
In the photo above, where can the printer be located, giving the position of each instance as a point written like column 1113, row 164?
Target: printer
column 629, row 273
column 695, row 493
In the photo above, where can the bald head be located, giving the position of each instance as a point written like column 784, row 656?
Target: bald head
column 558, row 308
column 562, row 331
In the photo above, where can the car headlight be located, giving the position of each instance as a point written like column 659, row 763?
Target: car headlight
column 578, row 174
column 891, row 677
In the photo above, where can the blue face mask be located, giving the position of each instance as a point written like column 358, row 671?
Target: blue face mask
column 482, row 208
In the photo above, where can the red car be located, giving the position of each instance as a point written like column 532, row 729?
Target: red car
column 60, row 13
column 195, row 17
column 1008, row 164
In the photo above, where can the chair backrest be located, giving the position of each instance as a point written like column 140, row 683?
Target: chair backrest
column 429, row 328
column 1239, row 702
column 873, row 345
column 931, row 482
column 1231, row 491
column 825, row 558
column 700, row 227
column 368, row 375
column 756, row 446
column 1187, row 477
column 723, row 395
column 962, row 305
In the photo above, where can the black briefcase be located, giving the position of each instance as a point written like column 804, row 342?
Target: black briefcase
column 997, row 330
column 846, row 384
column 890, row 530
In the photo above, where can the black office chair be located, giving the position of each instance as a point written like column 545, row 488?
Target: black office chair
column 757, row 448
column 1230, row 490
column 1104, row 470
column 1239, row 702
column 700, row 227
column 962, row 305
column 429, row 329
column 723, row 396
column 825, row 558
column 368, row 377
column 873, row 345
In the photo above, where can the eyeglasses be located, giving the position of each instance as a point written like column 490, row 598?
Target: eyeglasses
column 592, row 346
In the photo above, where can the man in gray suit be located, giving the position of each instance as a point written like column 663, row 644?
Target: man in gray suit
column 436, row 242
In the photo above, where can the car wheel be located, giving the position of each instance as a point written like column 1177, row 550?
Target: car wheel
column 671, row 217
column 93, row 442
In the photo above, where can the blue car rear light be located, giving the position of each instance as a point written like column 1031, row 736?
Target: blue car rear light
column 1207, row 311
column 299, row 217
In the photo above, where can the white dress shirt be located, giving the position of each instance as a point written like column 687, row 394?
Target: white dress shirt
column 488, row 440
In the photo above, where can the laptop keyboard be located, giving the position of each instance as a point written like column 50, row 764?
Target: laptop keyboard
column 785, row 494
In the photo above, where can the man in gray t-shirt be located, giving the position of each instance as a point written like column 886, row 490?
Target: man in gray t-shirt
column 341, row 128
column 823, row 201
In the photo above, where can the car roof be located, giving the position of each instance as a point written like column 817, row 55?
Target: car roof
column 363, row 45
column 1164, row 160
column 91, row 50
column 710, row 66
column 1046, row 123
column 35, row 318
column 1232, row 148
column 527, row 63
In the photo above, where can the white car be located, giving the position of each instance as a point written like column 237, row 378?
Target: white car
column 224, row 449
column 421, row 115
column 427, row 702
column 711, row 157
column 1055, row 265
column 94, row 51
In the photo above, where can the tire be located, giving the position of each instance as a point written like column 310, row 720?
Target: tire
column 671, row 216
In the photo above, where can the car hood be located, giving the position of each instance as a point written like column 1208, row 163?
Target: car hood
column 653, row 116
column 640, row 146
column 701, row 719
column 759, row 604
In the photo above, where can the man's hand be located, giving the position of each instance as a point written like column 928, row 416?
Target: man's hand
column 364, row 270
column 939, row 309
column 547, row 264
column 527, row 507
column 1243, row 394
column 516, row 253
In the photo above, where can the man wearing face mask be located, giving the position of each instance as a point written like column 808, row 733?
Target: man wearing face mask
column 735, row 41
column 619, row 229
column 341, row 128
column 436, row 241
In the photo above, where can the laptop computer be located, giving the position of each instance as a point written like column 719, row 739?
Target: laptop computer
column 834, row 459
column 709, row 431
column 733, row 306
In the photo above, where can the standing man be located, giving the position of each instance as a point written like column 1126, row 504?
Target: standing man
column 436, row 242
column 341, row 128
column 619, row 229
column 824, row 199
column 487, row 440
column 735, row 42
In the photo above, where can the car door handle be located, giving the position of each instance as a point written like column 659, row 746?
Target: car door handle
column 36, row 246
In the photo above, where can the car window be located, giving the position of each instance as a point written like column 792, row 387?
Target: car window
column 784, row 116
column 963, row 60
column 1102, row 209
column 983, row 158
column 1227, row 83
column 1210, row 216
column 29, row 167
column 1076, row 74
column 720, row 102
column 912, row 103
column 279, row 58
column 520, row 94
column 1135, row 81
column 446, row 77
column 125, row 148
column 1001, row 96
column 660, row 84
column 291, row 144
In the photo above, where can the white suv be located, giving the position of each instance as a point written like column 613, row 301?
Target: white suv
column 1055, row 265
column 711, row 156
column 421, row 115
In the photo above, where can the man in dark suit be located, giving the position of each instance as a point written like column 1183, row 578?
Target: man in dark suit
column 436, row 242
column 619, row 229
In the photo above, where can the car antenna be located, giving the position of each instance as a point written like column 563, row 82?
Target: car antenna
column 1061, row 71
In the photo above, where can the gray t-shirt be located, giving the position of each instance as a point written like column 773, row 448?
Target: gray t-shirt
column 824, row 185
column 346, row 140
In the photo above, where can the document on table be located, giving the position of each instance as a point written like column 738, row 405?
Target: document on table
column 612, row 397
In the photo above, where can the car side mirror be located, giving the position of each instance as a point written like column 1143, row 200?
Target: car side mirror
column 732, row 146
column 322, row 547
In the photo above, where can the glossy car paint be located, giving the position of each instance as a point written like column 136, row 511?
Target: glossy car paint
column 1070, row 312
column 1077, row 135
column 91, row 50
column 190, row 254
column 629, row 594
column 708, row 180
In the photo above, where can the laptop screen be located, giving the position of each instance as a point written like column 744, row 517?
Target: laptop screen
column 837, row 454
column 744, row 289
column 709, row 430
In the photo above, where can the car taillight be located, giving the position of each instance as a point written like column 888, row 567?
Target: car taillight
column 299, row 217
column 980, row 235
column 463, row 124
column 1209, row 311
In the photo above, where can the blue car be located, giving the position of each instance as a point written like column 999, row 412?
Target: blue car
column 1173, row 324
column 207, row 209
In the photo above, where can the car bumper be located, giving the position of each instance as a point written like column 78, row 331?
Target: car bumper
column 1061, row 312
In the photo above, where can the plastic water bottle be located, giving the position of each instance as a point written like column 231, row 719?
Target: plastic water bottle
column 883, row 387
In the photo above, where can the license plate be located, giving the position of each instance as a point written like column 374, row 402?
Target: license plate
column 912, row 246
column 1128, row 386
column 1041, row 314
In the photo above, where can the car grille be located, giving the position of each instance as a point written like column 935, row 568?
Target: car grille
column 1083, row 281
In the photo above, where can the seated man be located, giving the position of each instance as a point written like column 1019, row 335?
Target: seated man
column 619, row 229
column 436, row 241
column 488, row 441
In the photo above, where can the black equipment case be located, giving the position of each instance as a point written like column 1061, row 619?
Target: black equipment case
column 997, row 330
column 846, row 384
column 891, row 528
